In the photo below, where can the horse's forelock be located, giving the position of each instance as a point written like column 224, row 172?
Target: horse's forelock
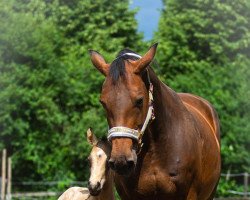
column 117, row 67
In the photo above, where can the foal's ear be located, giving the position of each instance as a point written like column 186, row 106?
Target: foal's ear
column 99, row 62
column 91, row 137
column 143, row 62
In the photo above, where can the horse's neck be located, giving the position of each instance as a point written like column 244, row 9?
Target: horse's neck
column 167, row 105
column 164, row 97
column 107, row 192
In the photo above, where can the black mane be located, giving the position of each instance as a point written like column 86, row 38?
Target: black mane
column 117, row 67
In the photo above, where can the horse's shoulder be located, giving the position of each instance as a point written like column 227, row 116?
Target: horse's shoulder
column 203, row 107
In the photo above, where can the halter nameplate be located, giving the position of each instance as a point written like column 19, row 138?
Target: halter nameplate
column 120, row 131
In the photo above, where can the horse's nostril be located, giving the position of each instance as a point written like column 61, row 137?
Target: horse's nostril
column 130, row 164
column 111, row 163
column 88, row 183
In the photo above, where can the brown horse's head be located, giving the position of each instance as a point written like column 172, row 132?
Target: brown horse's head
column 125, row 98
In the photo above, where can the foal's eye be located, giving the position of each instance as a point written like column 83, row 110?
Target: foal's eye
column 139, row 102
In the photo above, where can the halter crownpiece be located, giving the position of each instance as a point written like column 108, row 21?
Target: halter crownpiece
column 129, row 54
column 121, row 131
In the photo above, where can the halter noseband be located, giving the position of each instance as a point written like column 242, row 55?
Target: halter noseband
column 121, row 131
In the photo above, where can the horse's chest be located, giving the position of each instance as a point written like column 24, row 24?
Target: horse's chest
column 147, row 182
column 153, row 178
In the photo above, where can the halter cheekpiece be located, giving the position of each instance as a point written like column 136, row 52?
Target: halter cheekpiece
column 121, row 131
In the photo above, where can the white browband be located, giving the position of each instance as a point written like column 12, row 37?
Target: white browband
column 131, row 54
column 120, row 131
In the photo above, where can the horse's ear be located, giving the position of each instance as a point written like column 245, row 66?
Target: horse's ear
column 91, row 137
column 99, row 62
column 143, row 62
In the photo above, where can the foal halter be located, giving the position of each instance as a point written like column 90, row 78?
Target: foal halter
column 121, row 131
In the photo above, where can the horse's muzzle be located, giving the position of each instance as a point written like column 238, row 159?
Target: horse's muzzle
column 122, row 165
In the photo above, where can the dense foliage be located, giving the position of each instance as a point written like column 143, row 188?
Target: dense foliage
column 205, row 49
column 49, row 91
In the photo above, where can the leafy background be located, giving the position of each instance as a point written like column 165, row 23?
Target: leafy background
column 49, row 91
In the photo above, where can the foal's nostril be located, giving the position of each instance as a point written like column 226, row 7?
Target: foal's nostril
column 98, row 185
column 94, row 189
column 111, row 163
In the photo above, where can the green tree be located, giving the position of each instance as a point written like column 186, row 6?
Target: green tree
column 49, row 89
column 205, row 49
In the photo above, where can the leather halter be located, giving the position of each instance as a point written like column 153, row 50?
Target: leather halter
column 121, row 131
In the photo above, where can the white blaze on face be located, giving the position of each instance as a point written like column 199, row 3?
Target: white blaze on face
column 98, row 166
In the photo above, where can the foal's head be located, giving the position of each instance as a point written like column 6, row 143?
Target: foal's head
column 125, row 98
column 98, row 163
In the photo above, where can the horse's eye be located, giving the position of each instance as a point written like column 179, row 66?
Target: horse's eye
column 139, row 102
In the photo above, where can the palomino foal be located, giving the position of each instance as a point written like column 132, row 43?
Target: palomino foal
column 100, row 185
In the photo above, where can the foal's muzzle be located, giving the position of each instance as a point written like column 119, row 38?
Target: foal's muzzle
column 94, row 190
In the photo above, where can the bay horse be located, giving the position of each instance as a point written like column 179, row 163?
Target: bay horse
column 165, row 145
column 100, row 184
